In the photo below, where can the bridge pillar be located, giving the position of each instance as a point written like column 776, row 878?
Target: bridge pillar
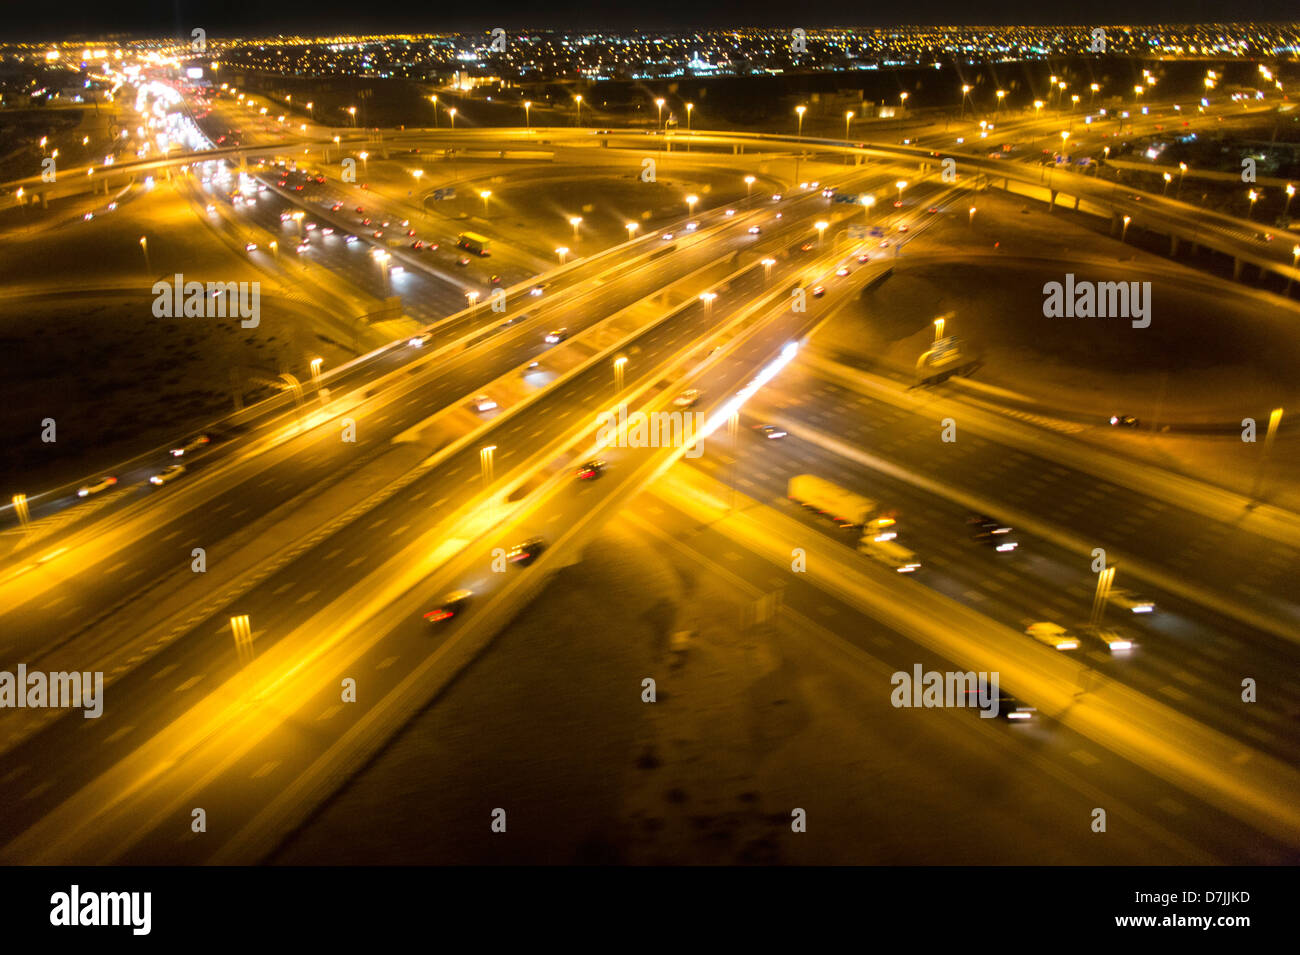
column 45, row 202
column 1173, row 245
column 1115, row 223
column 1236, row 269
column 1076, row 203
column 1051, row 201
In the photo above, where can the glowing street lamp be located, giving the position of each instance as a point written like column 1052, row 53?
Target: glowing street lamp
column 472, row 295
column 619, row 362
column 800, row 110
column 971, row 219
column 352, row 111
column 562, row 251
column 767, row 267
column 144, row 246
column 965, row 91
column 707, row 298
column 578, row 100
column 1253, row 196
column 868, row 202
column 528, row 104
column 1290, row 192
column 364, row 157
column 902, row 100
column 452, row 113
column 689, row 107
column 938, row 328
column 749, row 186
column 417, row 173
column 631, row 230
column 659, row 104
column 1124, row 233
column 820, row 226
column 434, row 101
column 690, row 204
column 575, row 221
column 1168, row 179
column 1001, row 94
column 1295, row 257
column 901, row 184
column 848, row 118
column 485, row 195
column 1094, row 89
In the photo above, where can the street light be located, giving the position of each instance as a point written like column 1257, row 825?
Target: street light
column 352, row 111
column 938, row 328
column 1001, row 93
column 848, row 118
column 965, row 91
column 1127, row 220
column 528, row 104
column 485, row 464
column 364, row 157
column 902, row 101
column 868, row 202
column 631, row 230
column 434, row 100
column 749, row 186
column 689, row 107
column 707, row 298
column 901, row 184
column 144, row 245
column 575, row 221
column 472, row 296
column 562, row 251
column 690, row 204
column 1290, row 192
column 1254, row 196
column 485, row 195
column 971, row 219
column 1295, row 257
column 452, row 113
column 619, row 362
column 767, row 267
column 820, row 226
column 578, row 100
column 1095, row 88
column 1168, row 179
column 417, row 173
column 800, row 110
column 659, row 103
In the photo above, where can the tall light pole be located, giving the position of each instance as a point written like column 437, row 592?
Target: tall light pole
column 659, row 104
column 901, row 184
column 902, row 101
column 434, row 100
column 749, row 186
column 1254, row 197
column 1274, row 419
column 1001, row 94
column 971, row 219
column 1168, row 179
column 311, row 111
column 690, row 204
column 578, row 100
column 1094, row 89
column 689, row 107
column 1295, row 257
column 144, row 245
column 1290, row 192
column 316, row 378
column 965, row 91
column 938, row 327
column 800, row 110
column 452, row 113
column 528, row 104
column 562, row 251
column 485, row 195
column 485, row 465
column 619, row 362
column 1182, row 171
column 848, row 118
column 631, row 230
column 820, row 226
column 575, row 221
column 1124, row 233
column 365, row 163
column 352, row 111
column 707, row 298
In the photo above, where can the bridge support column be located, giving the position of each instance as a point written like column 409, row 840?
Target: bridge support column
column 45, row 202
column 1115, row 223
column 1051, row 200
column 1236, row 269
column 1076, row 203
column 1173, row 245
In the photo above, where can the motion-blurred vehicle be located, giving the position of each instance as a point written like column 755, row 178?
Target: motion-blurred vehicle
column 863, row 258
column 842, row 271
column 1123, row 421
column 103, row 484
column 1054, row 635
column 730, row 212
column 818, row 291
column 667, row 236
column 526, row 552
column 776, row 197
column 483, row 403
column 770, row 431
column 987, row 530
column 687, row 398
column 169, row 473
column 806, row 247
column 193, row 444
column 556, row 336
column 463, row 260
column 1131, row 601
column 754, row 230
column 250, row 247
column 495, row 280
column 419, row 341
column 537, row 290
column 590, row 470
column 450, row 605
column 1112, row 638
column 351, row 239
column 846, row 508
column 692, row 226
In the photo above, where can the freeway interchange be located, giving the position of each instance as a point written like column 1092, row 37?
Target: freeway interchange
column 334, row 547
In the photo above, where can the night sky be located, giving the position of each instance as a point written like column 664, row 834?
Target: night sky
column 74, row 18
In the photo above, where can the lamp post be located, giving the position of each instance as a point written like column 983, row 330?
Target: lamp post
column 485, row 195
column 1290, row 192
column 631, row 230
column 707, row 298
column 848, row 118
column 528, row 104
column 800, row 110
column 901, row 184
column 562, row 251
column 1182, row 171
column 144, row 246
column 352, row 112
column 749, row 186
column 619, row 362
column 1254, row 197
column 902, row 102
column 938, row 328
column 1124, row 233
column 965, row 91
column 452, row 113
column 1295, row 257
column 1094, row 89
column 434, row 100
column 767, row 268
column 485, row 464
column 971, row 219
column 1001, row 94
column 365, row 161
column 659, row 104
column 575, row 221
column 820, row 226
column 578, row 100
column 1168, row 179
column 690, row 204
column 689, row 107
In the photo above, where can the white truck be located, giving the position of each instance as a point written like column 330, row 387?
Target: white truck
column 841, row 505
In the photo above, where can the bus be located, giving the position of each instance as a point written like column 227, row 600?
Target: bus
column 473, row 242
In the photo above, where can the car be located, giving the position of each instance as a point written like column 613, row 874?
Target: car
column 211, row 209
column 863, row 258
column 730, row 212
column 419, row 341
column 526, row 552
column 1053, row 635
column 495, row 280
column 688, row 398
column 463, row 260
column 378, row 233
column 1131, row 601
column 350, row 239
column 692, row 226
column 884, row 243
column 303, row 247
column 410, row 232
column 667, row 236
column 770, row 431
column 360, row 210
column 754, row 230
column 806, row 247
column 285, row 216
column 902, row 227
column 366, row 221
column 193, row 444
column 932, row 209
column 1009, row 707
column 818, row 291
column 450, row 605
column 842, row 271
column 1123, row 421
column 169, row 473
column 776, row 197
column 384, row 224
column 483, row 403
column 590, row 470
column 103, row 484
column 336, row 207
column 405, row 223
column 250, row 247
column 87, row 217
column 988, row 530
column 310, row 226
column 557, row 335
column 828, row 193
column 1111, row 638
column 536, row 290
column 417, row 245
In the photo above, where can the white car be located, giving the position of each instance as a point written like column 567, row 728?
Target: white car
column 251, row 247
column 556, row 336
column 193, row 444
column 483, row 403
column 169, row 473
column 667, row 236
column 419, row 341
column 730, row 212
column 1053, row 635
column 687, row 398
column 1131, row 601
column 692, row 226
column 1112, row 639
column 103, row 484
column 754, row 230
column 350, row 239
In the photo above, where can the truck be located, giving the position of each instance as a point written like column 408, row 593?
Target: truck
column 890, row 553
column 841, row 505
column 473, row 242
column 947, row 357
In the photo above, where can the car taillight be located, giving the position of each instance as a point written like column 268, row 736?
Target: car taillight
column 433, row 616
